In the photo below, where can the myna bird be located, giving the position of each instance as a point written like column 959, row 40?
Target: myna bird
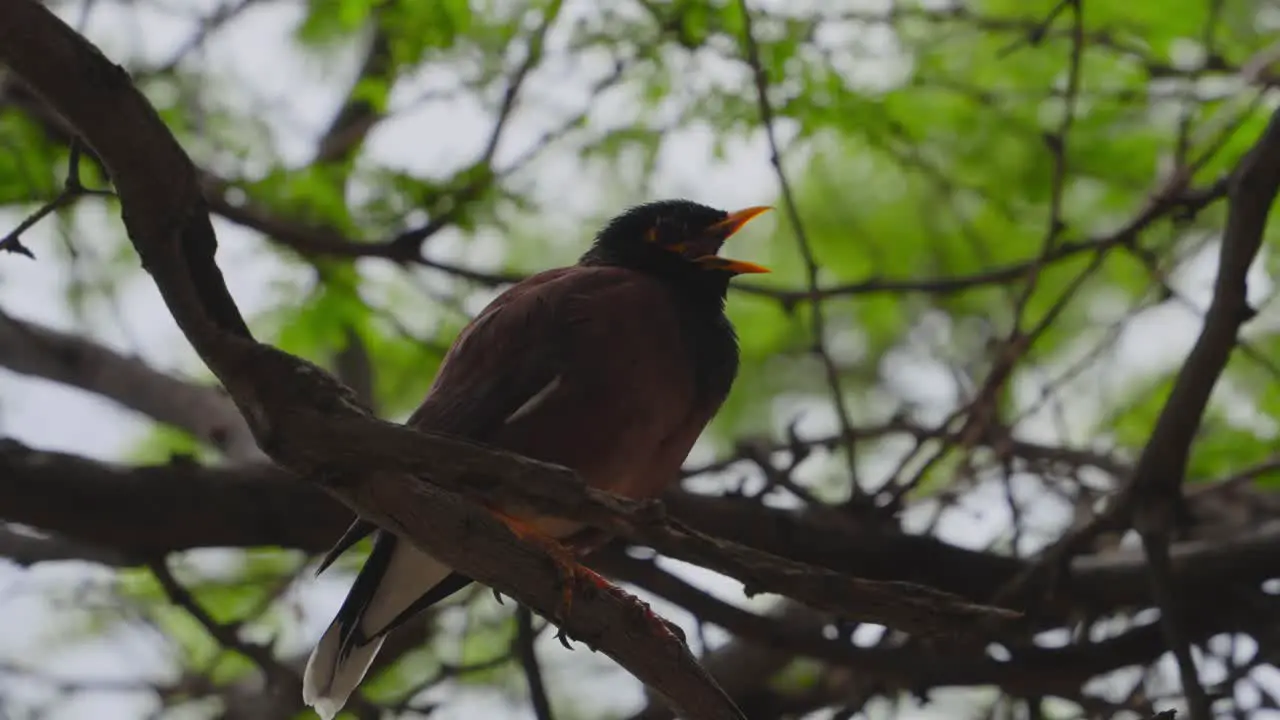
column 611, row 367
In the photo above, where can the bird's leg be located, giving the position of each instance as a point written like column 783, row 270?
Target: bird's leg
column 571, row 571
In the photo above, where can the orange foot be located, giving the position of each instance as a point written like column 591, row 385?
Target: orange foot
column 571, row 571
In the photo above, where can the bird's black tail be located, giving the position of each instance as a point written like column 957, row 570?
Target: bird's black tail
column 397, row 582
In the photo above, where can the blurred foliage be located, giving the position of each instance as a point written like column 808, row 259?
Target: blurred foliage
column 927, row 142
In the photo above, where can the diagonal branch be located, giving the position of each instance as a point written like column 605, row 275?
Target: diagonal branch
column 1161, row 468
column 1156, row 485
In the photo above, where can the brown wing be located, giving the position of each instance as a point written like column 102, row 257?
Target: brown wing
column 584, row 367
column 498, row 362
column 478, row 384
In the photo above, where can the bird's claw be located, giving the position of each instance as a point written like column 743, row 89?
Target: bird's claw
column 567, row 566
column 563, row 636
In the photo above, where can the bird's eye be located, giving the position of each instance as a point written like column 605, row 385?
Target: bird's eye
column 663, row 234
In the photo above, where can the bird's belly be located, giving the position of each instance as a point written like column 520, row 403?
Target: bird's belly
column 623, row 447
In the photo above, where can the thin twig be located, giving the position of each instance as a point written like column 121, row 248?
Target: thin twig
column 524, row 641
column 226, row 634
column 486, row 173
column 817, row 313
column 277, row 674
column 72, row 189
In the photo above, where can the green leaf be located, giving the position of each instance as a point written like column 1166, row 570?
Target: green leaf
column 329, row 21
column 165, row 443
column 315, row 194
column 1223, row 449
column 28, row 163
column 1135, row 412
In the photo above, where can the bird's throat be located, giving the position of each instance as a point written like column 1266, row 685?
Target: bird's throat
column 713, row 346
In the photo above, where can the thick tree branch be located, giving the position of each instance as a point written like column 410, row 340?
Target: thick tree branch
column 204, row 411
column 95, row 506
column 28, row 548
column 913, row 608
column 1032, row 670
column 844, row 547
column 148, row 511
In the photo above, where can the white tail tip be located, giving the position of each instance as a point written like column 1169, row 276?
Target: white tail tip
column 328, row 680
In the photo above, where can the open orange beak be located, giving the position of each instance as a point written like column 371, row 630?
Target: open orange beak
column 726, row 229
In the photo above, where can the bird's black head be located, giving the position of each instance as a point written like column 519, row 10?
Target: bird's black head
column 677, row 240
